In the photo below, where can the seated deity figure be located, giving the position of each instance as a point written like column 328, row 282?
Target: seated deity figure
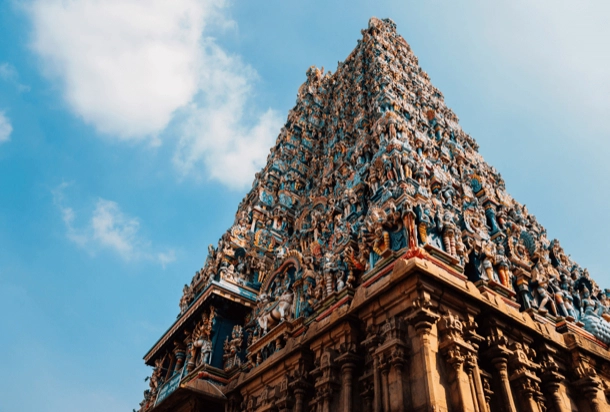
column 604, row 305
column 227, row 272
column 592, row 321
column 381, row 244
column 587, row 304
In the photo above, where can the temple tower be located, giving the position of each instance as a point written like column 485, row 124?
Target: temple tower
column 378, row 264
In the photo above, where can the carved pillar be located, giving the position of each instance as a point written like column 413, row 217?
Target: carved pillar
column 471, row 366
column 367, row 396
column 300, row 387
column 326, row 382
column 423, row 318
column 470, row 362
column 551, row 383
column 377, row 406
column 485, row 380
column 590, row 386
column 384, row 366
column 501, row 365
column 498, row 354
column 299, row 383
column 347, row 376
column 391, row 355
column 454, row 349
column 327, row 396
column 348, row 361
column 398, row 361
column 299, row 399
column 372, row 390
column 524, row 379
column 285, row 400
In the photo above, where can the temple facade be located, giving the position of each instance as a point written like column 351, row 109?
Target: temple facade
column 378, row 264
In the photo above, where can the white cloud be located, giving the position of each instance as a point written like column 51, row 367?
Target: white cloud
column 166, row 258
column 108, row 228
column 132, row 67
column 9, row 74
column 214, row 129
column 7, row 71
column 115, row 230
column 5, row 128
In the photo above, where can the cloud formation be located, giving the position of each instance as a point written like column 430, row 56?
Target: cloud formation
column 109, row 228
column 5, row 128
column 147, row 70
column 9, row 74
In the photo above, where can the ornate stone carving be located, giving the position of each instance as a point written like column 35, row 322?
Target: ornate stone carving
column 232, row 348
column 372, row 166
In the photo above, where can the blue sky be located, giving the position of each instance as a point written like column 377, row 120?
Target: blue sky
column 130, row 130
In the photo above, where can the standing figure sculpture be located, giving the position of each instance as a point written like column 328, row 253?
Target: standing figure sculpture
column 488, row 255
column 503, row 268
column 544, row 298
column 450, row 233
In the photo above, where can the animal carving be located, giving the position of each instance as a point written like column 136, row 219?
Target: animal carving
column 273, row 313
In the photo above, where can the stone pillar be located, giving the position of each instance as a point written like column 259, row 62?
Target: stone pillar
column 498, row 355
column 327, row 383
column 524, row 380
column 391, row 361
column 461, row 383
column 590, row 387
column 397, row 362
column 299, row 383
column 348, row 365
column 528, row 394
column 500, row 363
column 485, row 380
column 377, row 401
column 385, row 390
column 551, row 383
column 327, row 396
column 423, row 318
column 299, row 399
column 552, row 390
column 471, row 366
column 367, row 395
column 371, row 390
column 454, row 349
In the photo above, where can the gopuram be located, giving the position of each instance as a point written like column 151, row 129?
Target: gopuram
column 378, row 264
